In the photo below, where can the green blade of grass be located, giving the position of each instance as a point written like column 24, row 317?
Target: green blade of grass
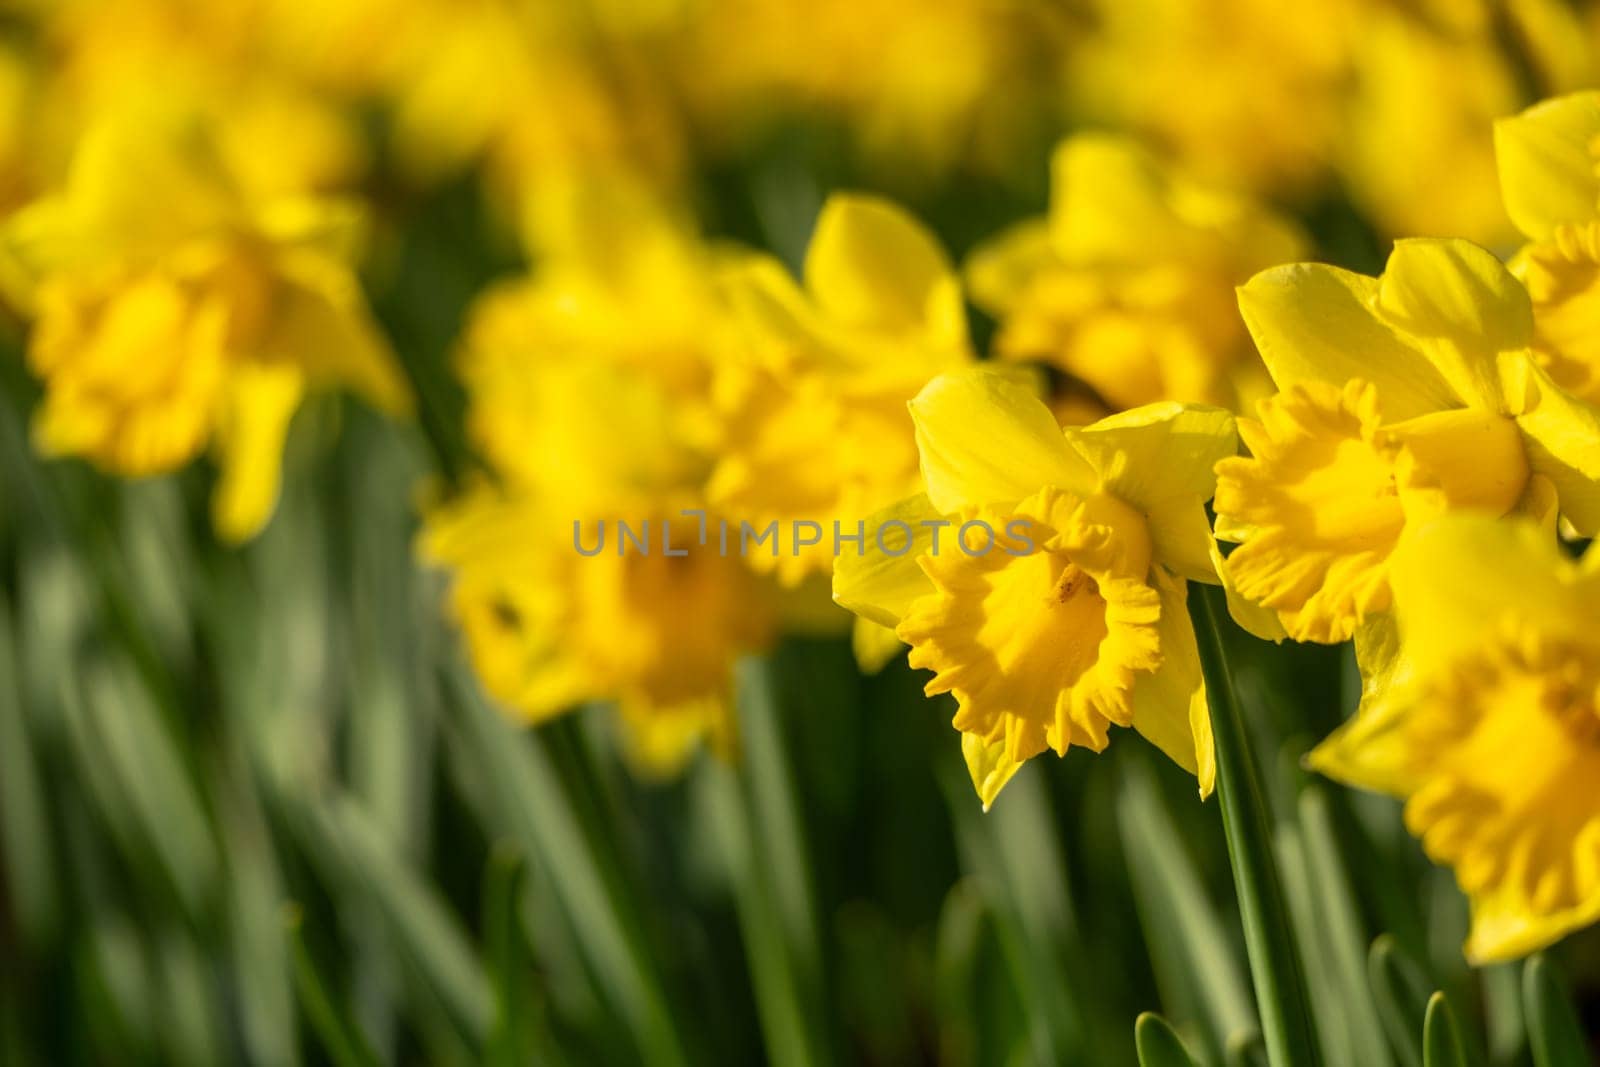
column 1178, row 918
column 1274, row 961
column 1157, row 1044
column 339, row 1035
column 530, row 804
column 1400, row 991
column 1340, row 919
column 1441, row 1042
column 1554, row 1035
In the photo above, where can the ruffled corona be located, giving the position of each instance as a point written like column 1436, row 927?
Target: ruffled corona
column 1317, row 509
column 1040, row 636
column 1562, row 274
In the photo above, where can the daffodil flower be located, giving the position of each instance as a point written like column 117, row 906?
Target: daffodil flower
column 175, row 310
column 1549, row 160
column 1489, row 725
column 1402, row 397
column 1128, row 284
column 1054, row 606
column 586, row 385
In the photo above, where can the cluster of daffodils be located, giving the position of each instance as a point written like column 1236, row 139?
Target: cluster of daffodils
column 686, row 446
column 1430, row 445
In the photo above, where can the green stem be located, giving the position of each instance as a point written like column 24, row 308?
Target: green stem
column 1274, row 963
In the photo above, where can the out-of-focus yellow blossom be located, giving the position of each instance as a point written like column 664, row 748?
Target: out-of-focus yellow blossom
column 954, row 83
column 1244, row 92
column 1550, row 177
column 814, row 388
column 1402, row 397
column 1052, row 601
column 1491, row 733
column 1427, row 85
column 176, row 307
column 583, row 382
column 1128, row 284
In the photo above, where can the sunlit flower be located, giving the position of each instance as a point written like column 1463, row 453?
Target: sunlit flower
column 178, row 307
column 1051, row 600
column 1128, row 284
column 813, row 390
column 1245, row 92
column 1402, row 397
column 1491, row 731
column 1550, row 177
column 584, row 381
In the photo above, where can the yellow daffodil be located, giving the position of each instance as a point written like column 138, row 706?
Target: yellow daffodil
column 175, row 308
column 1244, row 92
column 814, row 388
column 1128, row 284
column 867, row 67
column 1042, row 576
column 1402, row 397
column 583, row 383
column 1491, row 732
column 1550, row 177
column 1426, row 87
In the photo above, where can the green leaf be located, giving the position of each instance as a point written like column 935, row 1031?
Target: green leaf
column 529, row 803
column 1441, row 1042
column 1245, row 1049
column 1553, row 1031
column 1188, row 943
column 1274, row 959
column 1158, row 1044
column 341, row 1038
column 1339, row 918
column 1400, row 990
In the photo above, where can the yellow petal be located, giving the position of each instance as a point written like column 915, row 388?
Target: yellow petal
column 999, row 269
column 1560, row 433
column 989, row 764
column 880, row 583
column 1547, row 167
column 1463, row 304
column 1161, row 459
column 1108, row 201
column 1254, row 618
column 1314, row 323
column 874, row 645
column 871, row 264
column 1169, row 706
column 320, row 320
column 1456, row 581
column 985, row 440
column 261, row 399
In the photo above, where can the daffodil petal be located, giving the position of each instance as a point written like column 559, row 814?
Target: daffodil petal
column 1466, row 306
column 1560, row 433
column 989, row 765
column 986, row 440
column 1169, row 705
column 1314, row 323
column 1108, row 201
column 1161, row 459
column 874, row 645
column 1547, row 168
column 1505, row 568
column 871, row 264
column 881, row 581
column 1254, row 618
column 999, row 269
column 261, row 400
column 321, row 321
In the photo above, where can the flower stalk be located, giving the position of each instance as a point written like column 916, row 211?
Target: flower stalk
column 1275, row 966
